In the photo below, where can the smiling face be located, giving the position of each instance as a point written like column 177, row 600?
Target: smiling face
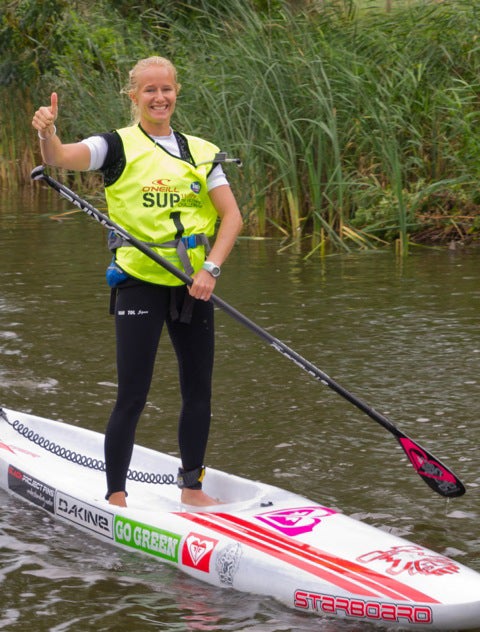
column 154, row 95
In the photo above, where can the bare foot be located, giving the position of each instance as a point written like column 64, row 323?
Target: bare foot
column 197, row 498
column 118, row 498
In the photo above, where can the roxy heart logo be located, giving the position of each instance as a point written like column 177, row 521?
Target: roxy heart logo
column 197, row 551
column 296, row 521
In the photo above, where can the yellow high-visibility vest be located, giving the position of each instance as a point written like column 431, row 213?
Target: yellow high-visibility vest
column 159, row 198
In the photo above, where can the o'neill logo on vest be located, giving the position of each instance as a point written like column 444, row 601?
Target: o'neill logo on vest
column 197, row 551
column 293, row 522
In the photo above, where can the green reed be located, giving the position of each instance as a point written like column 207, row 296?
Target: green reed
column 343, row 114
column 346, row 120
column 17, row 140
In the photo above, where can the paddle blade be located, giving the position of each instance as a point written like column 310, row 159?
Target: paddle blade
column 434, row 473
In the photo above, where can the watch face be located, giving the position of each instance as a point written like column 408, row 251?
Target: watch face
column 212, row 268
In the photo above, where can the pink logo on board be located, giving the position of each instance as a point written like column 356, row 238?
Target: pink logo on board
column 296, row 521
column 411, row 559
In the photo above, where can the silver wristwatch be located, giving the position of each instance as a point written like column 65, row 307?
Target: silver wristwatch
column 211, row 267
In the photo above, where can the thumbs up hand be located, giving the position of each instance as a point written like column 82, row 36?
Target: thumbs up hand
column 44, row 118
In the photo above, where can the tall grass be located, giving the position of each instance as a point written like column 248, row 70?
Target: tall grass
column 346, row 120
column 17, row 141
column 352, row 118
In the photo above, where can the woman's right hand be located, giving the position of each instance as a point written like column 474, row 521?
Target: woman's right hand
column 44, row 118
column 74, row 156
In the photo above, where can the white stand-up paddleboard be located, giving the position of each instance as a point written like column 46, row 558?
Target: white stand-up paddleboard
column 262, row 539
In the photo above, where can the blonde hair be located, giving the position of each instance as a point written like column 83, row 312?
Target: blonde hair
column 142, row 64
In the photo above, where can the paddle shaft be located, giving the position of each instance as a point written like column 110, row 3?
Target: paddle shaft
column 433, row 472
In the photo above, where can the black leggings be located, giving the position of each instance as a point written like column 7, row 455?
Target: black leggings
column 140, row 312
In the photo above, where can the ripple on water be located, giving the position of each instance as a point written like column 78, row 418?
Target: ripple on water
column 389, row 332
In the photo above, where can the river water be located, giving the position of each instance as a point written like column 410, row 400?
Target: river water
column 401, row 334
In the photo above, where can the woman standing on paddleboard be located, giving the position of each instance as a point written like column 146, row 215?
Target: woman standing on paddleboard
column 163, row 188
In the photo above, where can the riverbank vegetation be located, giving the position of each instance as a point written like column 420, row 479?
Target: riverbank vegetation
column 357, row 123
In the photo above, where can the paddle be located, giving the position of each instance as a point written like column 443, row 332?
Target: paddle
column 433, row 472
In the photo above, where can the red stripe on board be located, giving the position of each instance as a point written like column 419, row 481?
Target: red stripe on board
column 264, row 547
column 364, row 577
column 352, row 576
column 370, row 576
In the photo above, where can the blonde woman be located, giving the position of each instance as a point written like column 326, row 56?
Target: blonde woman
column 163, row 187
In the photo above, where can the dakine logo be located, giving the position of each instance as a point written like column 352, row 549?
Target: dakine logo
column 197, row 551
column 84, row 514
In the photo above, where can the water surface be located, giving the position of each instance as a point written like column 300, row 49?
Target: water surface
column 402, row 335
